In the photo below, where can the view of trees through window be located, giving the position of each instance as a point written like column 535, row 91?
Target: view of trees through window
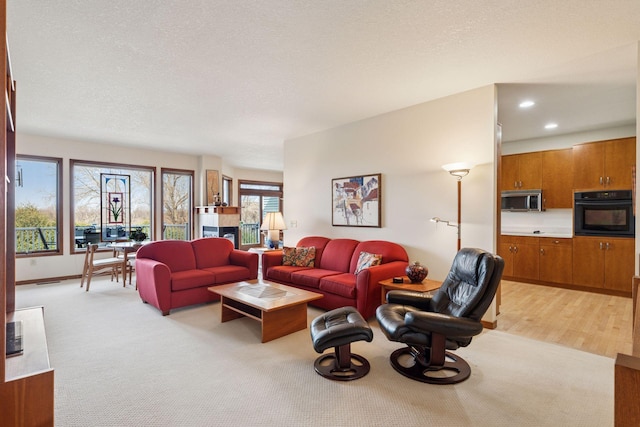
column 256, row 199
column 37, row 204
column 86, row 194
column 176, row 204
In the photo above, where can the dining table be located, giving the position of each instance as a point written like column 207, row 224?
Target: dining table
column 125, row 248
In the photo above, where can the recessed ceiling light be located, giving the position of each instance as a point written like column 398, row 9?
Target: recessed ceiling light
column 551, row 126
column 527, row 104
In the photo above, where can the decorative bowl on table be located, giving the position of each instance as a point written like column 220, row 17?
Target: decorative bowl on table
column 416, row 272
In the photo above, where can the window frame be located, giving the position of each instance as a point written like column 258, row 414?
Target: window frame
column 59, row 205
column 108, row 165
column 227, row 190
column 184, row 172
column 279, row 192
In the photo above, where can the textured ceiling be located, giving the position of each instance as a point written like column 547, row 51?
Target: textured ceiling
column 236, row 78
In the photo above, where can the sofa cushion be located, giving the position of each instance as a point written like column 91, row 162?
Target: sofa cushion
column 317, row 242
column 337, row 255
column 189, row 279
column 310, row 277
column 282, row 273
column 229, row 273
column 299, row 257
column 340, row 284
column 176, row 254
column 211, row 251
column 366, row 260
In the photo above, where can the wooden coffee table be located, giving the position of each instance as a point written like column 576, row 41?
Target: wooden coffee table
column 279, row 308
column 426, row 286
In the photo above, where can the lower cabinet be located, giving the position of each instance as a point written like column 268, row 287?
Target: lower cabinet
column 603, row 262
column 592, row 262
column 556, row 260
column 520, row 254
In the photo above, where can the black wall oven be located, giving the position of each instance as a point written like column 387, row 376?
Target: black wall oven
column 604, row 213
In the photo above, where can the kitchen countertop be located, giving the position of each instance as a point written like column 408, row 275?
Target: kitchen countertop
column 557, row 233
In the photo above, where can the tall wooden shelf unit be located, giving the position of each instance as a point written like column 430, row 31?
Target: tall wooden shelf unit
column 26, row 380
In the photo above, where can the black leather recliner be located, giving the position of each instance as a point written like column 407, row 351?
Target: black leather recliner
column 431, row 325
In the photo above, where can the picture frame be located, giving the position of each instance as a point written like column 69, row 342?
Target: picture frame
column 212, row 187
column 356, row 201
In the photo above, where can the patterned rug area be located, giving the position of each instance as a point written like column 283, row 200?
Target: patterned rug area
column 119, row 362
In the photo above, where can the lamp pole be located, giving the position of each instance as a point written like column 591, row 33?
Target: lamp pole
column 459, row 211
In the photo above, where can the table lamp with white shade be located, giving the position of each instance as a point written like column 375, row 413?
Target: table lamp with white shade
column 273, row 223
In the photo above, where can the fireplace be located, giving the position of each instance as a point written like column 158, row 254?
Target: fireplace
column 230, row 233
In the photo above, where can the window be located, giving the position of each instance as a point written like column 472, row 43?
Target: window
column 256, row 199
column 38, row 205
column 177, row 191
column 227, row 185
column 92, row 221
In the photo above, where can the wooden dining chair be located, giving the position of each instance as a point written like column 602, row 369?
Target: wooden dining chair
column 92, row 265
column 131, row 262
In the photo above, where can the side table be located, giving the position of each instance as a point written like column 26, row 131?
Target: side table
column 426, row 286
column 260, row 251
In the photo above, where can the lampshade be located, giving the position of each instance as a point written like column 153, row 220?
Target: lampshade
column 273, row 222
column 459, row 169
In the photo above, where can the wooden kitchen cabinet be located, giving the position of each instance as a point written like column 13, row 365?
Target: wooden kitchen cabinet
column 521, row 258
column 603, row 262
column 556, row 260
column 604, row 165
column 557, row 179
column 521, row 171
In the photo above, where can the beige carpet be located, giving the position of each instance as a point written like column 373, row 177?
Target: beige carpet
column 118, row 362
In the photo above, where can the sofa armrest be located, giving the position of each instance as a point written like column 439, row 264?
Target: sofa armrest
column 270, row 259
column 245, row 259
column 154, row 283
column 368, row 285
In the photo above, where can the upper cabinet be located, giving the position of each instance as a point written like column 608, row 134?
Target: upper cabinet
column 522, row 171
column 557, row 179
column 604, row 165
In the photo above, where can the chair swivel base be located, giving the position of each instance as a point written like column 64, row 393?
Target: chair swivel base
column 329, row 366
column 425, row 373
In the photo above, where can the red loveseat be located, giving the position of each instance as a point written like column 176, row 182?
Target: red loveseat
column 177, row 273
column 333, row 273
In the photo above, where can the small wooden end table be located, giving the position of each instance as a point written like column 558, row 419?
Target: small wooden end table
column 426, row 286
column 280, row 309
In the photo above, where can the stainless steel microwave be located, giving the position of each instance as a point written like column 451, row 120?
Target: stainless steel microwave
column 522, row 201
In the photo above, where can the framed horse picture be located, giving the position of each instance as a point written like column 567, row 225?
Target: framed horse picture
column 356, row 201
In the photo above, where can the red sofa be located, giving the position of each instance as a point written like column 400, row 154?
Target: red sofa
column 177, row 273
column 333, row 272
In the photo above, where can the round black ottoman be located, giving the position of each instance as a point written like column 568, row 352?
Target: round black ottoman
column 339, row 328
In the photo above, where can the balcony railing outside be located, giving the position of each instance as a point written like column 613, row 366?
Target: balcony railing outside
column 36, row 239
column 43, row 239
column 175, row 231
column 250, row 234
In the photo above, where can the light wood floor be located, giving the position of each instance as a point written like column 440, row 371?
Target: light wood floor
column 595, row 323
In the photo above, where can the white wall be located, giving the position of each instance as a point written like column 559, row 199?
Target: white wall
column 44, row 267
column 408, row 147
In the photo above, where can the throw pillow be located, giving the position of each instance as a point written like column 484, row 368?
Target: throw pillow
column 288, row 255
column 366, row 260
column 305, row 257
column 299, row 257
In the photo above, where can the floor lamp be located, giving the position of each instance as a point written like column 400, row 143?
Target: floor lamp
column 459, row 170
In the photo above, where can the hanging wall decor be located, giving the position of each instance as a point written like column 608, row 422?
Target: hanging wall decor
column 115, row 209
column 356, row 201
column 213, row 188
